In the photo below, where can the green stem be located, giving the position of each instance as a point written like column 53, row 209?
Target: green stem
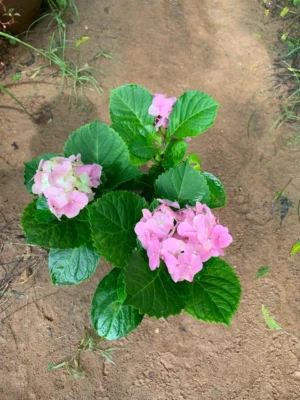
column 16, row 100
column 7, row 36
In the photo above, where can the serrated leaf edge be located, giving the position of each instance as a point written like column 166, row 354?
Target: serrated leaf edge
column 195, row 92
column 228, row 320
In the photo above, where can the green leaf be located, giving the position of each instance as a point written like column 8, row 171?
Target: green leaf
column 216, row 293
column 113, row 218
column 121, row 286
column 129, row 105
column 144, row 184
column 82, row 40
column 217, row 191
column 63, row 4
column 153, row 205
column 144, row 136
column 174, row 153
column 31, row 168
column 72, row 266
column 193, row 113
column 183, row 184
column 142, row 147
column 42, row 212
column 128, row 131
column 64, row 234
column 153, row 292
column 262, row 271
column 137, row 160
column 194, row 160
column 110, row 317
column 99, row 144
column 284, row 12
column 119, row 173
column 141, row 183
column 154, row 172
column 295, row 248
column 269, row 320
column 16, row 77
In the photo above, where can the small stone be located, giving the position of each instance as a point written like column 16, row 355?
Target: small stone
column 27, row 253
column 107, row 368
column 26, row 274
column 296, row 374
column 18, row 295
column 156, row 330
column 15, row 146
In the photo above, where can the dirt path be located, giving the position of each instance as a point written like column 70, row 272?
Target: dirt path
column 168, row 46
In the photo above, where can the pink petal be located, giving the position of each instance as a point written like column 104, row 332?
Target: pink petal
column 146, row 213
column 170, row 260
column 143, row 234
column 161, row 107
column 153, row 110
column 41, row 182
column 57, row 196
column 46, row 166
column 53, row 209
column 93, row 171
column 81, row 169
column 169, row 203
column 221, row 235
column 40, row 165
column 153, row 253
column 71, row 210
column 173, row 246
column 78, row 198
column 186, row 230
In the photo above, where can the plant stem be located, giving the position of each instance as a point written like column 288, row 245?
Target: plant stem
column 16, row 100
column 7, row 36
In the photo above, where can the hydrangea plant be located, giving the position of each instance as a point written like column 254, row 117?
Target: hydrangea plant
column 156, row 228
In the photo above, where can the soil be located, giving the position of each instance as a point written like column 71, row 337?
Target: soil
column 224, row 48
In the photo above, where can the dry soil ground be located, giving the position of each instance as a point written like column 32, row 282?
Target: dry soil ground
column 167, row 46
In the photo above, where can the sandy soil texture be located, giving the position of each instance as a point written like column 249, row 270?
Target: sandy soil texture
column 168, row 46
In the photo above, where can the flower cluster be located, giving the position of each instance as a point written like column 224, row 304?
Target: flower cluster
column 161, row 108
column 183, row 239
column 67, row 184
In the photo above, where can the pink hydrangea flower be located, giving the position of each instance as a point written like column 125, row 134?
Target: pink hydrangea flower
column 62, row 175
column 41, row 182
column 189, row 264
column 153, row 252
column 90, row 173
column 76, row 202
column 57, row 198
column 171, row 249
column 184, row 239
column 67, row 184
column 161, row 108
